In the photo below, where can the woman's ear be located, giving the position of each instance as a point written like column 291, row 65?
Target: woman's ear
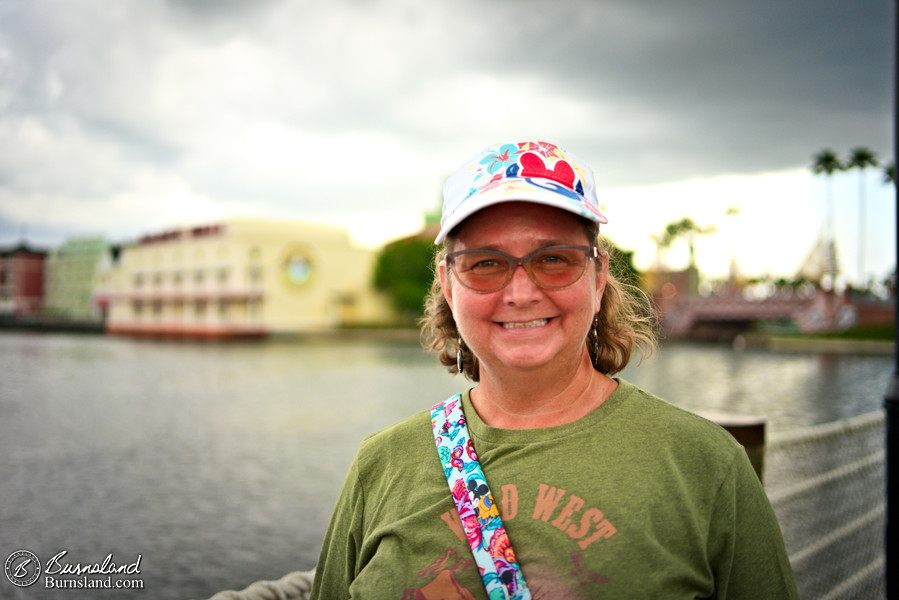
column 444, row 283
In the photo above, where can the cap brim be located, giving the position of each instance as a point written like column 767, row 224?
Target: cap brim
column 519, row 190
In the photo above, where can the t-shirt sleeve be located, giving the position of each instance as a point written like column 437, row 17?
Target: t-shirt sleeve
column 750, row 559
column 337, row 563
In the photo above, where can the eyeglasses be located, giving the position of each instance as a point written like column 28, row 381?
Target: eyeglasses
column 551, row 268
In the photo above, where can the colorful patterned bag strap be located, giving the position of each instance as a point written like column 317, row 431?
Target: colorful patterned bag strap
column 478, row 512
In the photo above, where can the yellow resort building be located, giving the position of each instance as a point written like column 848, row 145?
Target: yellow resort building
column 241, row 278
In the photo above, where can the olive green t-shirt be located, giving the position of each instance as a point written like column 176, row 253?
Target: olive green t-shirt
column 639, row 499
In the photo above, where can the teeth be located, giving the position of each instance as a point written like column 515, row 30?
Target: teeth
column 534, row 323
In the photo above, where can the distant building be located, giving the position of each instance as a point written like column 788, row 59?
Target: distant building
column 735, row 307
column 21, row 281
column 820, row 265
column 241, row 278
column 70, row 278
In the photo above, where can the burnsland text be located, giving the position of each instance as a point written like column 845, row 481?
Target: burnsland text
column 107, row 567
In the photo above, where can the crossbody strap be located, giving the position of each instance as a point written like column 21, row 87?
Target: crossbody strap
column 478, row 512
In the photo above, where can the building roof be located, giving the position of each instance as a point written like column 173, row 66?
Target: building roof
column 22, row 247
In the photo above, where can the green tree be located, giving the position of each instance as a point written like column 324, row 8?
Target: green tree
column 403, row 272
column 889, row 173
column 828, row 162
column 861, row 158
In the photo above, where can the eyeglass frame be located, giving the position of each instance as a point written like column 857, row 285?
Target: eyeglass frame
column 590, row 252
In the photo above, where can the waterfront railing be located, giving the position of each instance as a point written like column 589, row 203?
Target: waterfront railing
column 827, row 486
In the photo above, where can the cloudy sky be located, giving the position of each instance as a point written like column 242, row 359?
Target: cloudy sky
column 135, row 116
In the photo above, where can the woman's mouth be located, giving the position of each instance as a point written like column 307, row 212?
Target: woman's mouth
column 525, row 324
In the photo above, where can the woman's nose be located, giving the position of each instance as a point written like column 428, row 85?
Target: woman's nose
column 521, row 288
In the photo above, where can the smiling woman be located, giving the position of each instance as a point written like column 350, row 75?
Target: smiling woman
column 603, row 489
column 538, row 323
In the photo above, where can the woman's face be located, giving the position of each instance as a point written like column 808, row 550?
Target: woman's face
column 524, row 326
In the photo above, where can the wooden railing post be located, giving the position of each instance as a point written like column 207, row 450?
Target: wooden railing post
column 748, row 430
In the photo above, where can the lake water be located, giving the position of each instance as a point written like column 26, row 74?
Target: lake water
column 218, row 464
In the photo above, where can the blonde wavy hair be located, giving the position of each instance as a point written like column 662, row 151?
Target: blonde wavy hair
column 626, row 321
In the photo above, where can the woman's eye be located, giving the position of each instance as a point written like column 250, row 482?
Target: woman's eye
column 551, row 259
column 487, row 263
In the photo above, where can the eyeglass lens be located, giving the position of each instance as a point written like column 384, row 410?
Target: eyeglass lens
column 553, row 267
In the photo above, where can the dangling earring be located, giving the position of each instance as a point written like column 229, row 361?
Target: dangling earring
column 595, row 343
column 459, row 356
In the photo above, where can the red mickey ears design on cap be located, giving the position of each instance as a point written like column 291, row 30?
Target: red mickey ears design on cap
column 533, row 166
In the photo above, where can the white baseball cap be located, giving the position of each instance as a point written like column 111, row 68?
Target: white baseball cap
column 537, row 172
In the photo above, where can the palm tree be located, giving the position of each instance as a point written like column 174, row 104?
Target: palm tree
column 687, row 229
column 828, row 162
column 861, row 158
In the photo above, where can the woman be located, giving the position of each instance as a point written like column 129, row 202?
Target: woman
column 556, row 480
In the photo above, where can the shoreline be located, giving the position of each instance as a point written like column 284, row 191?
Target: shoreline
column 817, row 345
column 411, row 335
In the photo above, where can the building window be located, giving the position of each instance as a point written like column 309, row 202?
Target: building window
column 298, row 267
column 255, row 276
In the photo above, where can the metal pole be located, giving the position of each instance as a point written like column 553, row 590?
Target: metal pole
column 891, row 399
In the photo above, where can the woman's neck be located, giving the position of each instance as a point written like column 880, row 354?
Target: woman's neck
column 533, row 400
